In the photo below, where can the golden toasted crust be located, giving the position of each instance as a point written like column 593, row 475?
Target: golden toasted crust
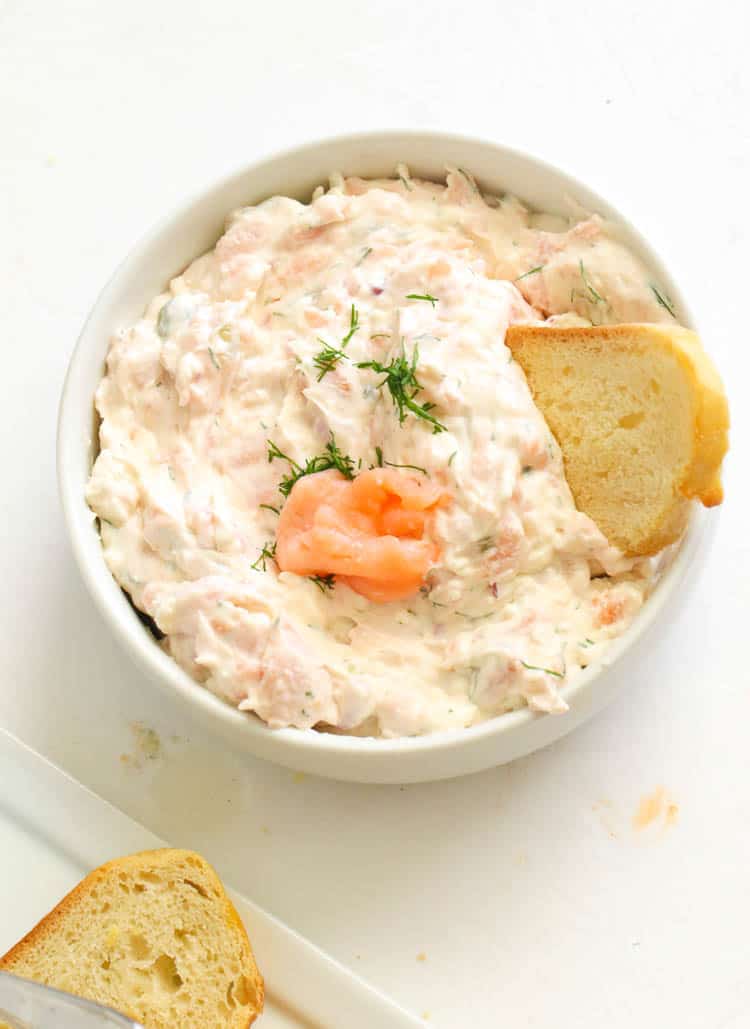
column 641, row 417
column 33, row 956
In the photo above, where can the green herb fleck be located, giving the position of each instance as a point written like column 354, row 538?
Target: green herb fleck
column 663, row 301
column 309, row 693
column 269, row 507
column 422, row 296
column 470, row 180
column 406, row 184
column 365, row 254
column 170, row 472
column 381, row 335
column 268, row 553
column 214, row 361
column 323, row 582
column 162, row 321
column 549, row 671
column 531, row 271
column 379, row 455
column 586, row 643
column 332, row 457
column 327, row 359
column 414, row 467
column 450, row 459
column 403, row 385
column 597, row 298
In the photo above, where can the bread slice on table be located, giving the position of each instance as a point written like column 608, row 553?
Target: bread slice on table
column 641, row 417
column 154, row 936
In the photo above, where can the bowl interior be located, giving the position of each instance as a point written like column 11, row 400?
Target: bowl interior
column 165, row 252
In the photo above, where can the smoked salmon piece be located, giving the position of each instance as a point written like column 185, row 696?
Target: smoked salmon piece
column 367, row 531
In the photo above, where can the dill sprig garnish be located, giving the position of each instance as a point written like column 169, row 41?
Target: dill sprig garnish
column 403, row 385
column 332, row 457
column 268, row 553
column 663, row 301
column 325, row 583
column 327, row 358
column 422, row 296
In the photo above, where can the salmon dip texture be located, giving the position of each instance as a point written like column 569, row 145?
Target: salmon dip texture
column 325, row 480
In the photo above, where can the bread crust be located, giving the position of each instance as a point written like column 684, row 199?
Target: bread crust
column 53, row 923
column 699, row 477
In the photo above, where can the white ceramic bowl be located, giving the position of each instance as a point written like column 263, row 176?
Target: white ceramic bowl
column 145, row 271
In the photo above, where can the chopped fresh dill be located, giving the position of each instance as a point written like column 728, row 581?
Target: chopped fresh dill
column 381, row 335
column 415, row 467
column 663, row 301
column 162, row 320
column 332, row 457
column 268, row 553
column 170, row 472
column 323, row 582
column 392, row 464
column 403, row 385
column 549, row 671
column 531, row 271
column 597, row 298
column 422, row 296
column 470, row 180
column 269, row 507
column 450, row 459
column 365, row 254
column 586, row 642
column 214, row 360
column 353, row 325
column 406, row 184
column 327, row 358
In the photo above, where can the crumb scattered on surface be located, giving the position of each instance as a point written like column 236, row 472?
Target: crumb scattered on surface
column 299, row 777
column 146, row 747
column 147, row 742
column 656, row 807
column 421, row 956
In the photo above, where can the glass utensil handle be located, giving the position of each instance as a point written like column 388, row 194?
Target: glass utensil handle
column 28, row 1005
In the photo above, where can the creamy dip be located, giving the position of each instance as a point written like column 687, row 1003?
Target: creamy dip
column 225, row 369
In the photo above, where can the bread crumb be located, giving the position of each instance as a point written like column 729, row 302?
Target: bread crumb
column 146, row 747
column 656, row 807
column 147, row 742
column 299, row 777
column 421, row 956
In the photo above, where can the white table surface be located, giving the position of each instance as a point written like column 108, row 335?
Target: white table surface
column 524, row 896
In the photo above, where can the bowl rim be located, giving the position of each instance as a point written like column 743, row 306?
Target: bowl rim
column 246, row 728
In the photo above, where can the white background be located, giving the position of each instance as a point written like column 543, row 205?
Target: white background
column 528, row 891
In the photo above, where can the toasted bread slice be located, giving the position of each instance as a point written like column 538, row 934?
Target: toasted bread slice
column 641, row 417
column 154, row 936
